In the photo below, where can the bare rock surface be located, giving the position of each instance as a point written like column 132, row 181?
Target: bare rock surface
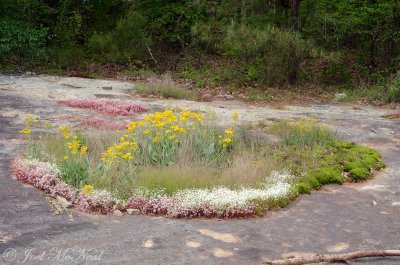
column 335, row 219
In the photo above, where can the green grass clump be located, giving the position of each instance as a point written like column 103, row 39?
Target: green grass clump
column 164, row 89
column 304, row 132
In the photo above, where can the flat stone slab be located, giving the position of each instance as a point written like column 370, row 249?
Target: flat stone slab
column 333, row 220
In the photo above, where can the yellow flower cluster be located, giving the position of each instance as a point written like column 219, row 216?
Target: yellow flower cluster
column 26, row 131
column 169, row 117
column 157, row 127
column 119, row 151
column 226, row 140
column 75, row 147
column 65, row 130
column 87, row 189
column 28, row 120
column 169, row 124
column 133, row 125
column 235, row 116
column 187, row 115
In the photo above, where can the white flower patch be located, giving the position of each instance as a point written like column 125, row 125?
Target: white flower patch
column 276, row 186
column 51, row 167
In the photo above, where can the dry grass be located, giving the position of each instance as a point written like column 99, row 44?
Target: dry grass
column 165, row 88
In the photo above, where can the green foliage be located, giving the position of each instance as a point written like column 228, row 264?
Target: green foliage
column 20, row 41
column 223, row 43
column 168, row 21
column 312, row 182
column 328, row 175
column 357, row 160
column 74, row 171
column 262, row 205
column 70, row 57
column 127, row 42
column 268, row 55
column 359, row 174
column 303, row 188
column 303, row 133
column 164, row 89
column 394, row 89
column 370, row 27
column 335, row 74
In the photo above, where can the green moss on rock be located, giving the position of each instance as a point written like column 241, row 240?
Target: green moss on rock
column 313, row 182
column 328, row 175
column 359, row 174
column 303, row 188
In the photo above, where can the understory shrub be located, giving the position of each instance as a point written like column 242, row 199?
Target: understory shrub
column 19, row 41
column 126, row 43
column 394, row 89
column 270, row 55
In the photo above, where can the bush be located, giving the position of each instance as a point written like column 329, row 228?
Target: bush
column 336, row 74
column 72, row 57
column 20, row 41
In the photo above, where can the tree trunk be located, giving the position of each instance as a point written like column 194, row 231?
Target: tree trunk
column 294, row 5
column 294, row 62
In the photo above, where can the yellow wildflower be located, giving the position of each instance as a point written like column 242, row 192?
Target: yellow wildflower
column 29, row 119
column 227, row 140
column 229, row 132
column 66, row 157
column 26, row 131
column 87, row 189
column 74, row 146
column 84, row 150
column 65, row 131
column 127, row 156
